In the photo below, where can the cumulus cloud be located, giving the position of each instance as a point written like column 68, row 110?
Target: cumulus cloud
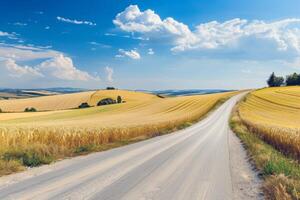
column 75, row 21
column 133, row 54
column 150, row 51
column 109, row 73
column 16, row 70
column 284, row 34
column 53, row 65
column 62, row 67
column 151, row 25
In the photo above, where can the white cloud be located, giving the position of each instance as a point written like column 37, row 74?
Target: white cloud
column 110, row 34
column 150, row 51
column 133, row 54
column 284, row 34
column 25, row 52
column 16, row 70
column 9, row 35
column 109, row 74
column 151, row 25
column 62, row 67
column 47, row 27
column 19, row 24
column 133, row 20
column 99, row 45
column 74, row 21
column 54, row 65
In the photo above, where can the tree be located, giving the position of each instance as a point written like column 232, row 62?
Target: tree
column 293, row 79
column 30, row 109
column 106, row 101
column 275, row 81
column 279, row 80
column 84, row 105
column 119, row 99
column 271, row 80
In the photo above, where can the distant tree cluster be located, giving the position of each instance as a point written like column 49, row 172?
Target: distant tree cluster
column 276, row 81
column 108, row 101
column 293, row 79
column 30, row 109
column 84, row 105
column 102, row 102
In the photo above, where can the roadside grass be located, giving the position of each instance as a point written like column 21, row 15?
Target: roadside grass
column 30, row 148
column 281, row 173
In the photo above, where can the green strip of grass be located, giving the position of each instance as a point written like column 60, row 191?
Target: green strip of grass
column 281, row 174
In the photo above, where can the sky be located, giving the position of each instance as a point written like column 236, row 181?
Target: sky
column 146, row 44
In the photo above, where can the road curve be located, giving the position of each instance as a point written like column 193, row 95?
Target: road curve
column 193, row 163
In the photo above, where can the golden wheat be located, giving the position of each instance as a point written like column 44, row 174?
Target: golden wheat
column 55, row 102
column 58, row 133
column 274, row 114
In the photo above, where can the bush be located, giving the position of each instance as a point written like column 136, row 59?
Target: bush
column 106, row 101
column 110, row 88
column 31, row 157
column 84, row 105
column 119, row 99
column 30, row 109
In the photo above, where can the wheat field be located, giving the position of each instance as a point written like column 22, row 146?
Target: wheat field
column 55, row 102
column 60, row 133
column 274, row 114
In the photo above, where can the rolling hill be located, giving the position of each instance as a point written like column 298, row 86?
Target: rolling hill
column 274, row 113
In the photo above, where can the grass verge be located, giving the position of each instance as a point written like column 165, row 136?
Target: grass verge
column 281, row 174
column 21, row 156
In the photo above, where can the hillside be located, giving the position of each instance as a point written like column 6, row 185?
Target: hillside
column 139, row 109
column 54, row 102
column 275, row 114
column 45, row 136
column 69, row 101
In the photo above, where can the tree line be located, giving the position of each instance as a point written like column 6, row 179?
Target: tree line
column 277, row 81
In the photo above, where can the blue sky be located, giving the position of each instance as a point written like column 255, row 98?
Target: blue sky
column 147, row 45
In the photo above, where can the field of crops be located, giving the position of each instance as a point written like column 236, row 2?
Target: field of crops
column 55, row 102
column 55, row 134
column 274, row 114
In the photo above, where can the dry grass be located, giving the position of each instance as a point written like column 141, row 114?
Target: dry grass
column 45, row 136
column 274, row 115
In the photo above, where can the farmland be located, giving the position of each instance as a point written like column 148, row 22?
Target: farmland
column 268, row 123
column 274, row 113
column 46, row 103
column 30, row 139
